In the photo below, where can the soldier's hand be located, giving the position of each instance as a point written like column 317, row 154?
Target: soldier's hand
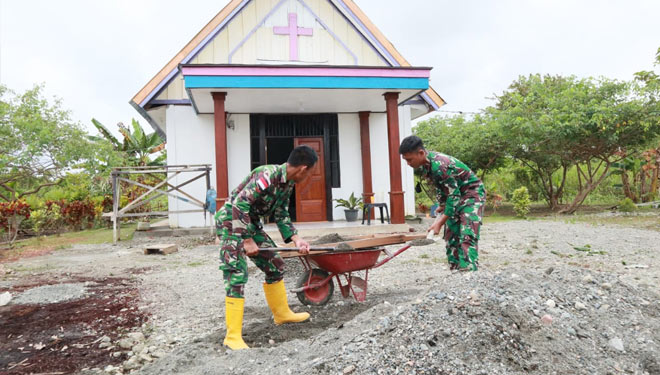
column 437, row 225
column 250, row 247
column 302, row 244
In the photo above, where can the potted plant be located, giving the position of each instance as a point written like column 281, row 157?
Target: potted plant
column 351, row 206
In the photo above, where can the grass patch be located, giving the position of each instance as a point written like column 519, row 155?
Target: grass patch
column 632, row 221
column 44, row 244
column 424, row 256
column 196, row 264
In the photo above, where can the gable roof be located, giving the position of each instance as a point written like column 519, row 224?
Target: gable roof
column 359, row 19
column 389, row 47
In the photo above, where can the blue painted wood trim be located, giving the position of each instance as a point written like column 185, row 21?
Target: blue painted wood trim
column 193, row 82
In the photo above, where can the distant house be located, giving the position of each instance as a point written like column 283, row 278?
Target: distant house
column 266, row 75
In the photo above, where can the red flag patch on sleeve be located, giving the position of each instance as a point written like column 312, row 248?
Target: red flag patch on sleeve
column 262, row 183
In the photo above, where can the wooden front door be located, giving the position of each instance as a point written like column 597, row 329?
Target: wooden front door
column 310, row 195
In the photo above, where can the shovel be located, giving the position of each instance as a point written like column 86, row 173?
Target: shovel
column 341, row 247
column 295, row 248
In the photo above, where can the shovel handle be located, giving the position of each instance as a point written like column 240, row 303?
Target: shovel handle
column 294, row 248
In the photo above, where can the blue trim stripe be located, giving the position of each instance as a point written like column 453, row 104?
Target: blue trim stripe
column 197, row 82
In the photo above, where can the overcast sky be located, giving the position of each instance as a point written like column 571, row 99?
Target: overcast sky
column 95, row 55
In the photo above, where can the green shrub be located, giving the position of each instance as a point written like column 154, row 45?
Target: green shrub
column 627, row 205
column 521, row 201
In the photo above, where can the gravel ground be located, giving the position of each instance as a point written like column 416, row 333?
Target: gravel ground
column 551, row 297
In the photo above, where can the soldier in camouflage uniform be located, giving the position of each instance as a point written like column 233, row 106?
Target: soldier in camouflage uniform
column 265, row 192
column 461, row 196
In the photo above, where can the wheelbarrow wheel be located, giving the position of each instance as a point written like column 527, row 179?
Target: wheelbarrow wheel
column 315, row 296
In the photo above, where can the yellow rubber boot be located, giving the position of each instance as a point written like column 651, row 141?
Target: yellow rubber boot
column 234, row 320
column 276, row 298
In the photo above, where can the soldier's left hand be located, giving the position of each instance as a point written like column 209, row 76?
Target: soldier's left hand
column 302, row 244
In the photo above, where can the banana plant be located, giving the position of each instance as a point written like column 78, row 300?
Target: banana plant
column 136, row 143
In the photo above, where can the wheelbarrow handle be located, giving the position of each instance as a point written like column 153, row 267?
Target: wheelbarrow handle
column 294, row 248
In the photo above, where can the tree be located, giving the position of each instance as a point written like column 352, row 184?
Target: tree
column 137, row 144
column 40, row 143
column 640, row 168
column 555, row 123
column 474, row 141
column 639, row 175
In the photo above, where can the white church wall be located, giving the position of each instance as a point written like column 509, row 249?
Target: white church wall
column 238, row 150
column 193, row 142
column 350, row 161
column 407, row 175
column 190, row 140
column 380, row 167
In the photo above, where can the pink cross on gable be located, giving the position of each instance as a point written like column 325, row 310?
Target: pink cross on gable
column 292, row 30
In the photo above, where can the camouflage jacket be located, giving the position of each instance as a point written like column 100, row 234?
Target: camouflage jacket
column 453, row 180
column 264, row 192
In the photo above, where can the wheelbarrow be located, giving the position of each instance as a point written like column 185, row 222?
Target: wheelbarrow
column 315, row 286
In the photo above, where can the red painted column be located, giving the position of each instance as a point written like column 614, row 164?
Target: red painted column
column 365, row 143
column 221, row 176
column 396, row 191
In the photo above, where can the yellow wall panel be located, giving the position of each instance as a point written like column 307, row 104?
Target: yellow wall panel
column 235, row 31
column 306, row 48
column 264, row 44
column 163, row 95
column 179, row 91
column 354, row 44
column 249, row 22
column 327, row 43
column 205, row 56
column 262, row 8
column 221, row 47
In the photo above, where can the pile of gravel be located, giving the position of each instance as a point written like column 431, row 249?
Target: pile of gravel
column 51, row 294
column 568, row 321
column 507, row 323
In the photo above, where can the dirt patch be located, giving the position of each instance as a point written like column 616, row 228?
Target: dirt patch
column 64, row 337
column 12, row 255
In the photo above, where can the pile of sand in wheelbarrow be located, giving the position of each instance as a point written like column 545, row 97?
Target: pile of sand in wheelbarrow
column 329, row 238
column 334, row 238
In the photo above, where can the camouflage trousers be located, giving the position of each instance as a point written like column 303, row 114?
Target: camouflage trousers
column 462, row 235
column 233, row 262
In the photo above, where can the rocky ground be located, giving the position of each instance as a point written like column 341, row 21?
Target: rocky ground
column 551, row 297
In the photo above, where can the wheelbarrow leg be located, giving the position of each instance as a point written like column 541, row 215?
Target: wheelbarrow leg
column 345, row 289
column 355, row 285
column 359, row 287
